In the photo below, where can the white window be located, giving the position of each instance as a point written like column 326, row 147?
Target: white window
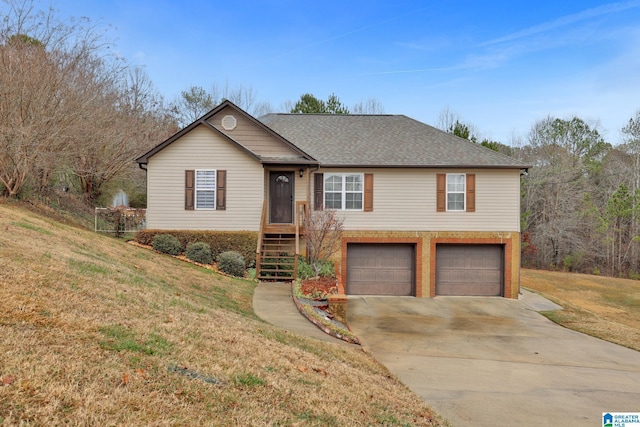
column 205, row 187
column 343, row 191
column 455, row 191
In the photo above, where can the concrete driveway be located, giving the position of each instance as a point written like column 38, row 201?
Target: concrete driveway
column 496, row 362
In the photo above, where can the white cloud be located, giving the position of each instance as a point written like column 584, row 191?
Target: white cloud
column 566, row 20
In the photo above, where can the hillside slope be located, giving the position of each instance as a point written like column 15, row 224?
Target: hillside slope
column 94, row 331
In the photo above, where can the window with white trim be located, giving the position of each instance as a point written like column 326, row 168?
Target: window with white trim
column 343, row 191
column 205, row 188
column 456, row 191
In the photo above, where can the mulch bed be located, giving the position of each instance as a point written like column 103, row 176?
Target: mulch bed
column 315, row 286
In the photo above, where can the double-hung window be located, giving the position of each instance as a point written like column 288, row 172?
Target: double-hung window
column 456, row 191
column 343, row 191
column 205, row 189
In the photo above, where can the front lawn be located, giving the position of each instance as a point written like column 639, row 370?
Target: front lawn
column 604, row 307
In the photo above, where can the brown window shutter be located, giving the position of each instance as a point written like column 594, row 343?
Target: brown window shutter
column 189, row 190
column 441, row 192
column 221, row 190
column 368, row 192
column 471, row 192
column 318, row 191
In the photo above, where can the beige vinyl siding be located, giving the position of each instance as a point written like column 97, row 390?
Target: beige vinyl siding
column 203, row 149
column 405, row 200
column 301, row 188
column 251, row 136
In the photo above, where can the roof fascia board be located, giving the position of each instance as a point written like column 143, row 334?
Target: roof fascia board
column 343, row 166
column 269, row 161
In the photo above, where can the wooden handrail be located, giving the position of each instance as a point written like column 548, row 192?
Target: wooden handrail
column 300, row 219
column 263, row 222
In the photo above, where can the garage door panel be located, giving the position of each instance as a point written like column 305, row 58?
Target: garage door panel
column 469, row 270
column 388, row 276
column 380, row 269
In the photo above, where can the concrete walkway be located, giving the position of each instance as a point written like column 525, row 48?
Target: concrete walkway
column 273, row 303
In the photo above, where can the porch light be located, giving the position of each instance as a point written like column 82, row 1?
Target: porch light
column 301, row 172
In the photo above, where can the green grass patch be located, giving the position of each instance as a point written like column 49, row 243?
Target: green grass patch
column 88, row 268
column 248, row 380
column 317, row 419
column 623, row 299
column 178, row 302
column 32, row 227
column 137, row 280
column 390, row 420
column 119, row 338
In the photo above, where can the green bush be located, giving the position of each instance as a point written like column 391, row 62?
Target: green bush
column 199, row 252
column 307, row 271
column 167, row 244
column 232, row 263
column 138, row 200
column 243, row 242
column 327, row 269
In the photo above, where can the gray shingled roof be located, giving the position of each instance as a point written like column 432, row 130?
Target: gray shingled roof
column 381, row 140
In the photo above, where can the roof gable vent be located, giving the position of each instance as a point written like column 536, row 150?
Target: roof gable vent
column 229, row 123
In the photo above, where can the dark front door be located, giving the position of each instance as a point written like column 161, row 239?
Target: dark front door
column 281, row 197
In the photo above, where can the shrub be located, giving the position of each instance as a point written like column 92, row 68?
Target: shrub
column 327, row 269
column 307, row 271
column 199, row 252
column 243, row 242
column 232, row 263
column 167, row 244
column 324, row 236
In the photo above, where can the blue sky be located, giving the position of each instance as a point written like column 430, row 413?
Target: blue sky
column 499, row 65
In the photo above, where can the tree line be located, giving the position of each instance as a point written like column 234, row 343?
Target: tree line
column 74, row 116
column 72, row 113
column 580, row 206
column 581, row 198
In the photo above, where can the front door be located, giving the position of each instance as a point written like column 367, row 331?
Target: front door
column 281, row 197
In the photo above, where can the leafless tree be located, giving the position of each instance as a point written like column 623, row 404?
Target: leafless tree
column 368, row 106
column 69, row 106
column 323, row 236
column 196, row 101
column 567, row 157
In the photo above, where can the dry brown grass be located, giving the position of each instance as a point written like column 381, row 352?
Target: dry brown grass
column 94, row 331
column 604, row 307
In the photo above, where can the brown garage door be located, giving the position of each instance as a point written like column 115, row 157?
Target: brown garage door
column 380, row 269
column 469, row 270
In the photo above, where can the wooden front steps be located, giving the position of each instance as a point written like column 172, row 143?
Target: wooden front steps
column 278, row 259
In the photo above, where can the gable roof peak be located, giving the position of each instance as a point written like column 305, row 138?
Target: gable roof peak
column 204, row 120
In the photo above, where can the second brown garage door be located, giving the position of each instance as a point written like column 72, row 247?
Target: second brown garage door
column 380, row 269
column 469, row 270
